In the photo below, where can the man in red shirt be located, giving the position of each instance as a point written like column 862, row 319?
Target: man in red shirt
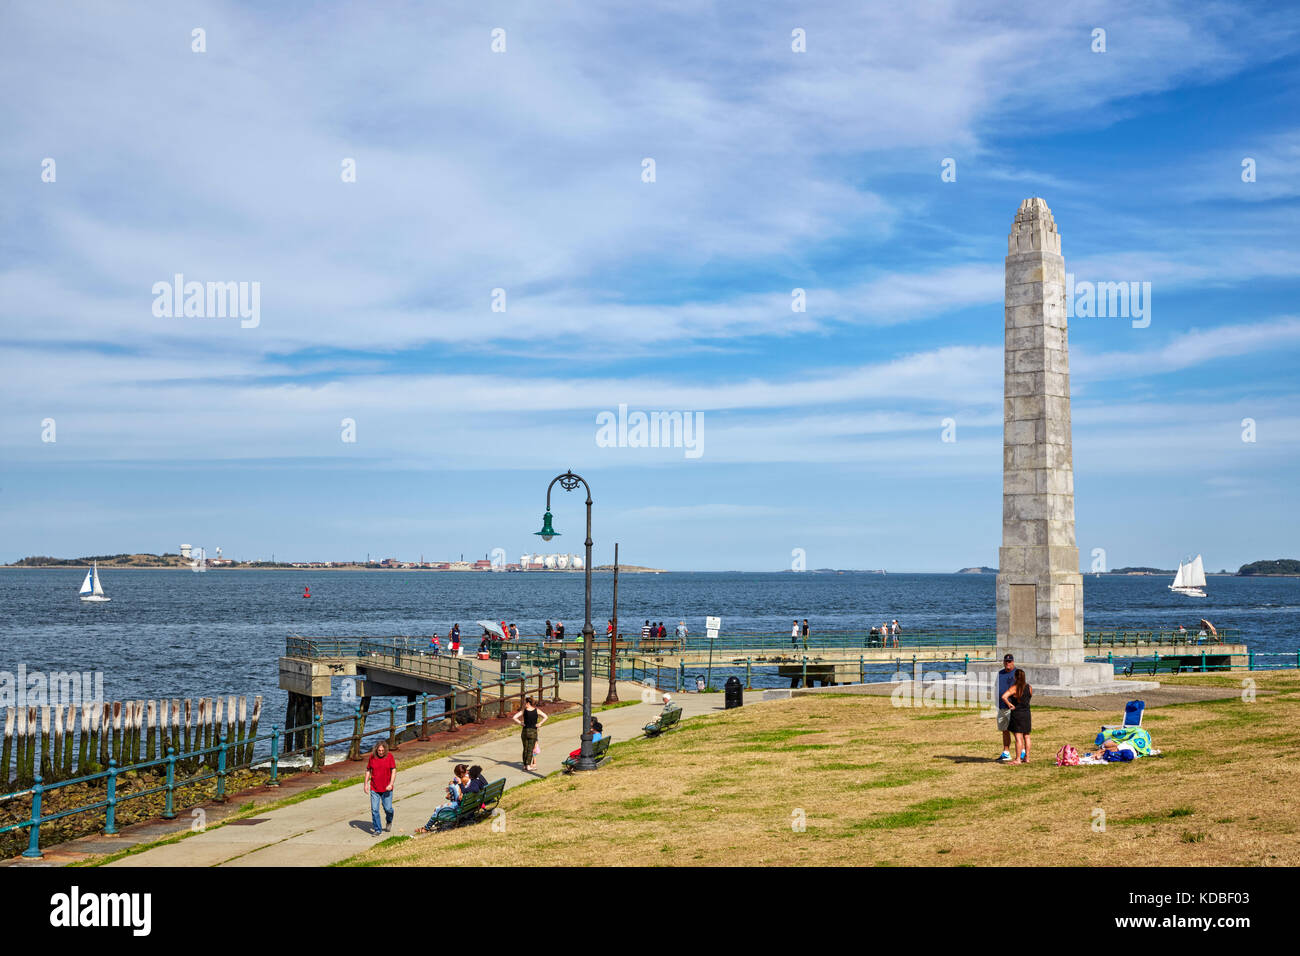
column 381, row 773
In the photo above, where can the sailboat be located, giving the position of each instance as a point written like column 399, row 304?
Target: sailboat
column 1190, row 578
column 91, row 588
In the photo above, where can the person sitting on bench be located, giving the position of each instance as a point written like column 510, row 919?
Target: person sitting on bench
column 459, row 780
column 477, row 782
column 597, row 731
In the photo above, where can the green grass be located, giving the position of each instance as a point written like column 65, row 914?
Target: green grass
column 1160, row 817
column 916, row 815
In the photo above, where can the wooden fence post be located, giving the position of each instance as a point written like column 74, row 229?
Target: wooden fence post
column 115, row 752
column 252, row 730
column 45, row 764
column 7, row 749
column 30, row 773
column 151, row 740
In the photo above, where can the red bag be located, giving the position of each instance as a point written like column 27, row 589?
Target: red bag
column 1067, row 756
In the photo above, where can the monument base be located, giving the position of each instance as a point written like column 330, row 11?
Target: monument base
column 1067, row 680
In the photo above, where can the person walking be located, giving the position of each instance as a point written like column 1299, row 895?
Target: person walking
column 1006, row 679
column 794, row 635
column 381, row 776
column 805, row 634
column 530, row 718
column 1020, row 724
column 894, row 631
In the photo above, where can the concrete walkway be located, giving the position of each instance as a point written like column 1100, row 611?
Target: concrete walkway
column 335, row 826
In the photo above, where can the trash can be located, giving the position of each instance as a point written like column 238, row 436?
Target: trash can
column 735, row 692
column 510, row 665
column 570, row 666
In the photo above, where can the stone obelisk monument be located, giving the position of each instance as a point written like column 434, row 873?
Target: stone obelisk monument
column 1039, row 587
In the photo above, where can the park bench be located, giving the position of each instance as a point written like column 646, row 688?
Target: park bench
column 469, row 809
column 665, row 721
column 599, row 753
column 1153, row 667
column 492, row 794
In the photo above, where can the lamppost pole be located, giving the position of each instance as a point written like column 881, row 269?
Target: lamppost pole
column 569, row 481
column 612, row 696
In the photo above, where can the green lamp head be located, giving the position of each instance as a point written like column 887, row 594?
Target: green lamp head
column 547, row 532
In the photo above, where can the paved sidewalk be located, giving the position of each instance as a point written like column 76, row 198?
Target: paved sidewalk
column 336, row 826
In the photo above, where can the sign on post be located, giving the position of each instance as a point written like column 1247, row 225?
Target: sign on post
column 713, row 625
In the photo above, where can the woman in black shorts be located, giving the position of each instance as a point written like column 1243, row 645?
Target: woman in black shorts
column 1017, row 699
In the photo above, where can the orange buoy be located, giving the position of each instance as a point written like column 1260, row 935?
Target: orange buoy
column 306, row 592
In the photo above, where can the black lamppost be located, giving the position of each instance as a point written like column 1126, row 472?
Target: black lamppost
column 568, row 481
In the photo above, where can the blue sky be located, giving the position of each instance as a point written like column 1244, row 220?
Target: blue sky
column 522, row 170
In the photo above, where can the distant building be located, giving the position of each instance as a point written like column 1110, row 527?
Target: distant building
column 185, row 550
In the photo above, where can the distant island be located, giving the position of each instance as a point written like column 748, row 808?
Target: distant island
column 1139, row 571
column 629, row 569
column 128, row 561
column 1288, row 567
column 980, row 570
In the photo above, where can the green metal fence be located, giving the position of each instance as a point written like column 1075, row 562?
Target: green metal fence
column 228, row 755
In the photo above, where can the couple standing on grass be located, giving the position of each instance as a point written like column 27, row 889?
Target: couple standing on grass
column 1014, row 719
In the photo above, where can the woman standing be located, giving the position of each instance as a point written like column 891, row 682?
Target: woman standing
column 1017, row 699
column 528, row 718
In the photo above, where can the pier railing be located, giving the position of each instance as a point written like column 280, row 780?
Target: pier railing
column 848, row 640
column 1160, row 637
column 229, row 753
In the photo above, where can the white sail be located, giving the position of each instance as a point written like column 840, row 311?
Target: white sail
column 1196, row 574
column 87, row 585
column 1180, row 579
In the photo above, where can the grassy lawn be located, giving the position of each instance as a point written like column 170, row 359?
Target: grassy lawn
column 875, row 784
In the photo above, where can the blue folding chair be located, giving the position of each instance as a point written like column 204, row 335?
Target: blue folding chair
column 1133, row 712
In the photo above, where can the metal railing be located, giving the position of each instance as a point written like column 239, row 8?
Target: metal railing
column 1205, row 661
column 531, row 645
column 220, row 760
column 1138, row 638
